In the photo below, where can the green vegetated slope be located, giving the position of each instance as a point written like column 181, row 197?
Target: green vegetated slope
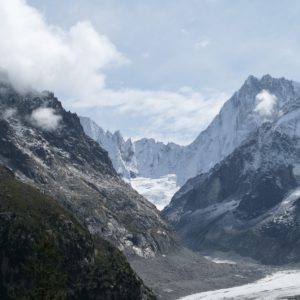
column 46, row 254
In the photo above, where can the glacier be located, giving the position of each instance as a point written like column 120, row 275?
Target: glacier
column 159, row 191
column 279, row 285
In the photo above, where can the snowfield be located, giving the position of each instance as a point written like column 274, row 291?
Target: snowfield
column 159, row 191
column 276, row 286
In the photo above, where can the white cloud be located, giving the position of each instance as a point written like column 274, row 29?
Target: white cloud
column 169, row 116
column 72, row 63
column 45, row 118
column 265, row 103
column 48, row 57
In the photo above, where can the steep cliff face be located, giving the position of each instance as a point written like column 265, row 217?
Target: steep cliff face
column 47, row 254
column 47, row 147
column 248, row 203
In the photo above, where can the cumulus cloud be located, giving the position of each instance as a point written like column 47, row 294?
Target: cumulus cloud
column 265, row 103
column 48, row 57
column 45, row 118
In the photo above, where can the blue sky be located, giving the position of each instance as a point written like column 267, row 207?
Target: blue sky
column 168, row 65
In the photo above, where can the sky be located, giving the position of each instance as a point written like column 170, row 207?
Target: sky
column 160, row 69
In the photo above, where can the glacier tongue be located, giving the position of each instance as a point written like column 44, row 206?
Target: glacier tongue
column 159, row 191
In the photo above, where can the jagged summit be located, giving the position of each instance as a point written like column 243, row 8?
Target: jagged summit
column 267, row 82
column 263, row 79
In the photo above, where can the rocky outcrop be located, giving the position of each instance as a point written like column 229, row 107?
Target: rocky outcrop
column 46, row 254
column 47, row 147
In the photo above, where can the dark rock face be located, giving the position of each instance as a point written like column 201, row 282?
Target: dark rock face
column 247, row 203
column 65, row 163
column 46, row 254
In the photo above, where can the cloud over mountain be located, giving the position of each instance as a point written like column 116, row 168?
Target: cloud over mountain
column 45, row 118
column 73, row 61
column 49, row 57
column 265, row 103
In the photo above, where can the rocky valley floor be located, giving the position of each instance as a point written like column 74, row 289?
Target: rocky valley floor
column 184, row 272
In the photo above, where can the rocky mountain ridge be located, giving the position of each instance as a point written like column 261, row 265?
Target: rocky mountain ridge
column 47, row 148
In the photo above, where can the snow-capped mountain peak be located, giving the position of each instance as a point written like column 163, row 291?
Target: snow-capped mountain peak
column 249, row 201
